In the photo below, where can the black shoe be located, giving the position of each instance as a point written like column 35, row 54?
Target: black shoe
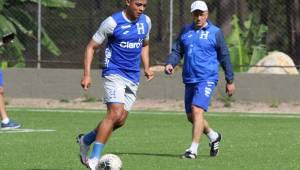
column 189, row 155
column 10, row 125
column 214, row 146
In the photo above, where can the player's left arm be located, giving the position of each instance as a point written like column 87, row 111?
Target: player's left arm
column 224, row 59
column 145, row 52
column 146, row 60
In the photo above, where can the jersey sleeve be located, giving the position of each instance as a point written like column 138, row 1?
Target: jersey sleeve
column 106, row 29
column 224, row 56
column 177, row 51
column 148, row 20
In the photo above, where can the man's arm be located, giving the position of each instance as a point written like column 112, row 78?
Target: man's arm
column 175, row 56
column 106, row 28
column 224, row 59
column 146, row 61
column 88, row 58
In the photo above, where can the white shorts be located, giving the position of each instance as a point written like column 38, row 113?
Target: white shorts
column 118, row 89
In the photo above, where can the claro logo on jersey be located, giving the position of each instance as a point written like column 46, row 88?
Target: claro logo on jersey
column 131, row 45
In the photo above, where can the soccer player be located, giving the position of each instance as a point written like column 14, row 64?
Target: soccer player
column 127, row 34
column 203, row 47
column 6, row 123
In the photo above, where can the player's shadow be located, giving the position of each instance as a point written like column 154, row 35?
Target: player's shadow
column 155, row 154
column 148, row 154
column 44, row 169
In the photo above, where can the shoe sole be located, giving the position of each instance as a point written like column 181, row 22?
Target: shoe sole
column 10, row 128
column 188, row 156
column 184, row 157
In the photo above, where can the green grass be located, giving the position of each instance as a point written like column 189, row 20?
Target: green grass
column 154, row 141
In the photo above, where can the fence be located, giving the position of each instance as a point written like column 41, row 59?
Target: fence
column 264, row 25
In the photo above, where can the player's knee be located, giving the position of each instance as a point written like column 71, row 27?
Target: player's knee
column 119, row 123
column 1, row 91
column 114, row 118
column 119, row 119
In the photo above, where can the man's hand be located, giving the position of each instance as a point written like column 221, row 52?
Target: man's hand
column 149, row 74
column 230, row 88
column 86, row 82
column 169, row 69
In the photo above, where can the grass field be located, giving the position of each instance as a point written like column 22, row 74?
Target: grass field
column 153, row 140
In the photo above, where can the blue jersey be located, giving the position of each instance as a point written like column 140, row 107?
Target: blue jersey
column 203, row 50
column 124, row 44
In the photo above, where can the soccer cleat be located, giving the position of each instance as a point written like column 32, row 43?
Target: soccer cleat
column 84, row 149
column 189, row 155
column 10, row 125
column 214, row 146
column 93, row 164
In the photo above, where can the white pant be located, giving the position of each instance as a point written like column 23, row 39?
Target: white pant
column 118, row 89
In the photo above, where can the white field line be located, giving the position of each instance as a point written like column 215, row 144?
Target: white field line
column 257, row 115
column 254, row 115
column 26, row 130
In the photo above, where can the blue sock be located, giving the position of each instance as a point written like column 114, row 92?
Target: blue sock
column 89, row 138
column 97, row 150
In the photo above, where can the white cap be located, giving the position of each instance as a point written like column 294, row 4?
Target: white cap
column 199, row 5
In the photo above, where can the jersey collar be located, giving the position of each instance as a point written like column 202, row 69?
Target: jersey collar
column 128, row 20
column 208, row 23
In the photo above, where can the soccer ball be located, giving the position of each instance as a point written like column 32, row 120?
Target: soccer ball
column 110, row 162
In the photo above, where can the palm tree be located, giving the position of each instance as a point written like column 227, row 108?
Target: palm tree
column 14, row 19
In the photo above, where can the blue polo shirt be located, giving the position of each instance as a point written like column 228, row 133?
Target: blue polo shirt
column 203, row 50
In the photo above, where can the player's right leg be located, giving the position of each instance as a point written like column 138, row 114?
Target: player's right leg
column 85, row 140
column 105, row 129
column 191, row 152
column 197, row 130
column 114, row 97
column 111, row 122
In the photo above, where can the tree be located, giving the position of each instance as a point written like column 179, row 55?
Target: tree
column 14, row 19
column 294, row 29
column 246, row 46
column 225, row 10
column 160, row 19
column 181, row 12
column 264, row 11
column 242, row 9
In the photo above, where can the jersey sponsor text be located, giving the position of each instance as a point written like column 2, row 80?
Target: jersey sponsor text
column 131, row 45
